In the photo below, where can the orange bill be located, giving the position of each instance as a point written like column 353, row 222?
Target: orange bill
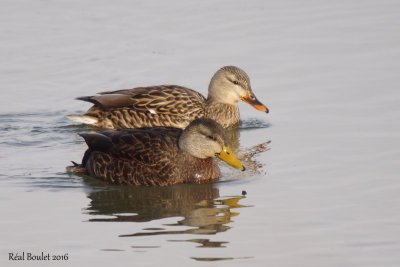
column 253, row 101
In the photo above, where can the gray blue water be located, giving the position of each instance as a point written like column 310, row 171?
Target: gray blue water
column 323, row 184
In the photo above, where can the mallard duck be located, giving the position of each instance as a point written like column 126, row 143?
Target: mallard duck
column 157, row 156
column 172, row 105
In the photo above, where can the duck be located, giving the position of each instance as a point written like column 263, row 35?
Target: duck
column 157, row 156
column 172, row 105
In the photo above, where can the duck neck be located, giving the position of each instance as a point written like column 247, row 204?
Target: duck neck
column 200, row 171
column 224, row 113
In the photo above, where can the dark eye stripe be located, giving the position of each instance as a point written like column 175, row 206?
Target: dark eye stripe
column 232, row 80
column 211, row 137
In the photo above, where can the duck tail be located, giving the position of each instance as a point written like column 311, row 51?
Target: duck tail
column 90, row 99
column 96, row 142
column 75, row 164
column 76, row 168
column 85, row 119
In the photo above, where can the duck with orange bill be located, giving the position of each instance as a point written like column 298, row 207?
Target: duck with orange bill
column 172, row 105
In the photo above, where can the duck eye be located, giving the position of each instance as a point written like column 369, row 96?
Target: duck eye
column 236, row 82
column 211, row 137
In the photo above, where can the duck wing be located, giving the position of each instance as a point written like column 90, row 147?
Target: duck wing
column 142, row 157
column 163, row 99
column 147, row 145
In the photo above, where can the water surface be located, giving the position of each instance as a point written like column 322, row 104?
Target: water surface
column 322, row 187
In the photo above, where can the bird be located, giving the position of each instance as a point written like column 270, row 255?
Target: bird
column 172, row 105
column 157, row 156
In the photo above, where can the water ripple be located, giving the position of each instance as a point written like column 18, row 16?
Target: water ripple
column 253, row 123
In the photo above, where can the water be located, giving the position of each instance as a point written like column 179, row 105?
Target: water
column 324, row 191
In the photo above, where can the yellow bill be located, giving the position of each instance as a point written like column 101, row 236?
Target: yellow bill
column 227, row 156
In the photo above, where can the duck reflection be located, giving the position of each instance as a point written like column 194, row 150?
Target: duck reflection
column 205, row 243
column 200, row 206
column 203, row 210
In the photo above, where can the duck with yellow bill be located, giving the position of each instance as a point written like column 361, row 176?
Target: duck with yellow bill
column 157, row 156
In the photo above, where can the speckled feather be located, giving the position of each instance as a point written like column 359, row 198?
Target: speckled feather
column 225, row 114
column 172, row 105
column 164, row 105
column 149, row 156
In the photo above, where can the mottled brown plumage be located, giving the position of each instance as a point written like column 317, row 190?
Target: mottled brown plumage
column 156, row 156
column 172, row 105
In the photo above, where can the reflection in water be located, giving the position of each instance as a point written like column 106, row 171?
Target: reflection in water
column 200, row 206
column 253, row 123
column 204, row 243
column 218, row 258
column 213, row 259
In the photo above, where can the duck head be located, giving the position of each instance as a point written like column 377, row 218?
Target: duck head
column 231, row 84
column 205, row 138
